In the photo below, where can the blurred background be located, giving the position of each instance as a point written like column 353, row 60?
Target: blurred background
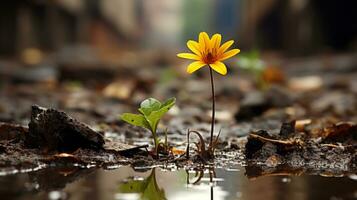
column 126, row 50
column 292, row 27
column 96, row 59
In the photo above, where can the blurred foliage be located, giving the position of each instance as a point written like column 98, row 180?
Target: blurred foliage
column 250, row 61
column 253, row 64
column 166, row 76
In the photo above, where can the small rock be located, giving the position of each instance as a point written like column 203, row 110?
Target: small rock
column 252, row 105
column 50, row 129
column 273, row 161
column 306, row 83
column 287, row 129
column 340, row 103
column 121, row 89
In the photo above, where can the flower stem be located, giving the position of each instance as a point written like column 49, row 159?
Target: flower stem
column 213, row 106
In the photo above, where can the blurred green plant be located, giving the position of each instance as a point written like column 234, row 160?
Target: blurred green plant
column 253, row 64
column 166, row 76
column 148, row 188
column 151, row 111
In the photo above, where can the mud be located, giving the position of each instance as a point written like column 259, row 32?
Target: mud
column 331, row 149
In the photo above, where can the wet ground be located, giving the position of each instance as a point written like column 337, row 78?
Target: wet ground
column 318, row 94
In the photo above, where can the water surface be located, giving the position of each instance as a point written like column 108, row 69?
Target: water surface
column 126, row 183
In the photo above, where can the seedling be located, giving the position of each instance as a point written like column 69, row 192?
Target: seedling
column 209, row 51
column 151, row 111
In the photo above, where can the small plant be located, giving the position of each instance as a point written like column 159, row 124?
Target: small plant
column 209, row 51
column 151, row 111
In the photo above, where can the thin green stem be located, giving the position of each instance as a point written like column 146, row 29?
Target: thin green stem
column 155, row 141
column 213, row 106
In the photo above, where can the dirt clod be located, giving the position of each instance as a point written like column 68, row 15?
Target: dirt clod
column 50, row 129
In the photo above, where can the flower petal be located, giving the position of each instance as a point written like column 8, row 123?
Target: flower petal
column 225, row 46
column 219, row 67
column 194, row 47
column 229, row 54
column 188, row 56
column 216, row 41
column 204, row 40
column 195, row 66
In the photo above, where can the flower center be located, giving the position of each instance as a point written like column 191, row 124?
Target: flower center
column 210, row 58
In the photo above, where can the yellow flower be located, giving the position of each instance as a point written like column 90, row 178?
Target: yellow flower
column 208, row 52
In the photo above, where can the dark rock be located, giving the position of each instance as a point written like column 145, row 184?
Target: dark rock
column 287, row 129
column 340, row 103
column 252, row 146
column 53, row 130
column 279, row 97
column 253, row 104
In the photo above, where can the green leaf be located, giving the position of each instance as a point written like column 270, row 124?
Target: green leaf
column 135, row 119
column 156, row 115
column 149, row 105
column 170, row 101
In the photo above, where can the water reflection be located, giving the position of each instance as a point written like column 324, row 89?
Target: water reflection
column 209, row 183
column 198, row 184
column 198, row 175
column 146, row 189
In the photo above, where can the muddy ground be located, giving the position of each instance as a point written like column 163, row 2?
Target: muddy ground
column 64, row 112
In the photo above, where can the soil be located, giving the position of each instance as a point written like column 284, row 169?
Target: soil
column 304, row 123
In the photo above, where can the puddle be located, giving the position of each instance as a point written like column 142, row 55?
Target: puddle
column 124, row 183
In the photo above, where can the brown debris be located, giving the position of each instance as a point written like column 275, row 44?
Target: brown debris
column 340, row 132
column 334, row 149
column 12, row 131
column 301, row 124
column 273, row 75
column 123, row 149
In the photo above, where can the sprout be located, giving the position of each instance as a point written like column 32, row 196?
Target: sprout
column 151, row 111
